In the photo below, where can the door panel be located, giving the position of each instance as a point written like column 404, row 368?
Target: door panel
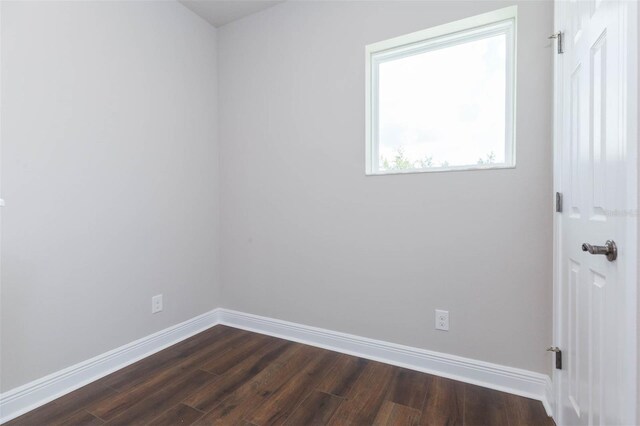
column 598, row 146
column 573, row 333
column 592, row 160
column 574, row 138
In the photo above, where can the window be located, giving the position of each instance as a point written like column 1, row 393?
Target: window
column 443, row 98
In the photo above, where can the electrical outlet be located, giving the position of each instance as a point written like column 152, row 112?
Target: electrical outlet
column 156, row 304
column 442, row 320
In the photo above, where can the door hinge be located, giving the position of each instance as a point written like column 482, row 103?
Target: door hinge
column 558, row 356
column 559, row 202
column 560, row 37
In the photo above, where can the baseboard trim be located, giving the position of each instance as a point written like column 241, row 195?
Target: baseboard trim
column 25, row 398
column 507, row 379
column 499, row 377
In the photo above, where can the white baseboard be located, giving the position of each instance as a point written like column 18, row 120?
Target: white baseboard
column 507, row 379
column 34, row 394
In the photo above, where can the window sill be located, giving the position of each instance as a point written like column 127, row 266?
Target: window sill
column 442, row 169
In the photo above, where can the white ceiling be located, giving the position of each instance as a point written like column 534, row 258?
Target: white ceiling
column 220, row 12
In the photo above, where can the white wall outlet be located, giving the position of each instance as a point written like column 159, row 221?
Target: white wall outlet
column 442, row 320
column 156, row 304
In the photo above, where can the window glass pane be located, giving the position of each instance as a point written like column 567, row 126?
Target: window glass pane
column 444, row 107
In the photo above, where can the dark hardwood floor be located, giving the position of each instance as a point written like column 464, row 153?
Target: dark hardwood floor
column 233, row 377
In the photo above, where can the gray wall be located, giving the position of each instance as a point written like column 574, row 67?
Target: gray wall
column 308, row 238
column 109, row 172
column 111, row 178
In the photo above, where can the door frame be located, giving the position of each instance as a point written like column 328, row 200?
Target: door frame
column 630, row 20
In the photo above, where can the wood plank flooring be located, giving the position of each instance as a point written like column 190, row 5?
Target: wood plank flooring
column 227, row 376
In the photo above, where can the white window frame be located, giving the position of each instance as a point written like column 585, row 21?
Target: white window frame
column 502, row 21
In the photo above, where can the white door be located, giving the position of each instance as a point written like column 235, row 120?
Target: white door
column 595, row 166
